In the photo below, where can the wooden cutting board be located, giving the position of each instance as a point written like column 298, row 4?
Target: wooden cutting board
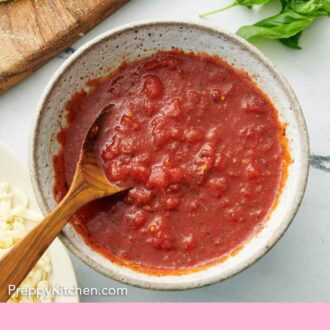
column 33, row 31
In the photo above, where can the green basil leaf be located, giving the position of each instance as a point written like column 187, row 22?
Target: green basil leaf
column 248, row 3
column 309, row 7
column 286, row 26
column 281, row 26
column 292, row 42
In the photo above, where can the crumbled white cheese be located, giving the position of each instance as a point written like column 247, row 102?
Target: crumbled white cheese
column 14, row 215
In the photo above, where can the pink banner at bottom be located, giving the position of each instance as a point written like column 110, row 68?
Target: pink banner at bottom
column 155, row 316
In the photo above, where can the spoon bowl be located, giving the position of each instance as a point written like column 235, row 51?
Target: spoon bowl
column 88, row 163
column 89, row 183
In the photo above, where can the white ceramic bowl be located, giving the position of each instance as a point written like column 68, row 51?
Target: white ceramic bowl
column 137, row 40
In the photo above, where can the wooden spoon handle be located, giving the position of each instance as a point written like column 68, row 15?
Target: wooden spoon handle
column 18, row 262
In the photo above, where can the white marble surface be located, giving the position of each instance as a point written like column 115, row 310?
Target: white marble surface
column 298, row 267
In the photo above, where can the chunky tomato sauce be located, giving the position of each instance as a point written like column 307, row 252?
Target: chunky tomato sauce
column 199, row 144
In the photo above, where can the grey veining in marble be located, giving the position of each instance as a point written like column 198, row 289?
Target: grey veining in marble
column 321, row 162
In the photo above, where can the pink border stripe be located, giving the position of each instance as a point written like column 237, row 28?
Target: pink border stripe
column 165, row 316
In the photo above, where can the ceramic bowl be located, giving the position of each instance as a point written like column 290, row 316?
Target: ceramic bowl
column 138, row 40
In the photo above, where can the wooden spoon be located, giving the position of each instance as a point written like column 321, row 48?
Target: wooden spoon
column 89, row 183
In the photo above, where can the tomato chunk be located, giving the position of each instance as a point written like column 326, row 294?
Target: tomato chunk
column 198, row 147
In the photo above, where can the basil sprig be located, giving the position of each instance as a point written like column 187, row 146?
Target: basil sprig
column 247, row 3
column 287, row 26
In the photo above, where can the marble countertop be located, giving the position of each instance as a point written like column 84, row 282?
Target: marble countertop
column 298, row 267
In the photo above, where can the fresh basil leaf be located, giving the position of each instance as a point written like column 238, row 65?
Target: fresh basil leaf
column 286, row 26
column 248, row 3
column 292, row 42
column 309, row 7
column 281, row 26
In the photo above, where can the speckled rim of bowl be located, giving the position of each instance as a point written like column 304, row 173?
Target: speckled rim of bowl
column 207, row 279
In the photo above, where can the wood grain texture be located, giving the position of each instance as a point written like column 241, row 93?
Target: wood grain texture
column 33, row 31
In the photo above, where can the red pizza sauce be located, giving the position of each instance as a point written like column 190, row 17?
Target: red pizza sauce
column 201, row 148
